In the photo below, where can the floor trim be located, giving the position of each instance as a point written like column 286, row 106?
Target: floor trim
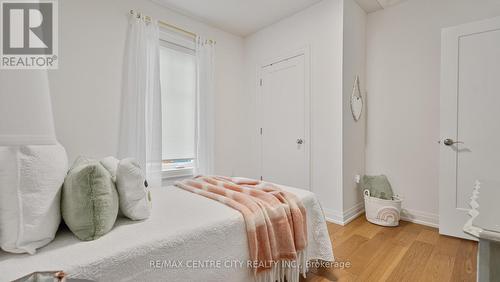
column 345, row 217
column 419, row 217
column 333, row 216
column 352, row 213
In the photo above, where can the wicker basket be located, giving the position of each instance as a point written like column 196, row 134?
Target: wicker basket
column 382, row 212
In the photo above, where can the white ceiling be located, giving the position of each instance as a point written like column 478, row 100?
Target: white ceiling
column 240, row 17
column 374, row 5
column 244, row 17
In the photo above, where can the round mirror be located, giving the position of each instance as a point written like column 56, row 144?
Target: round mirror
column 356, row 100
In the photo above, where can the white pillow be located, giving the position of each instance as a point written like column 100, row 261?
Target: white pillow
column 111, row 165
column 135, row 199
column 30, row 186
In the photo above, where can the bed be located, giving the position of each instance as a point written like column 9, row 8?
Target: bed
column 179, row 242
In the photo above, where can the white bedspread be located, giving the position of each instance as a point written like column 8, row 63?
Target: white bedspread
column 201, row 239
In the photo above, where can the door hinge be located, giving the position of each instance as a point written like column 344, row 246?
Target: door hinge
column 261, row 82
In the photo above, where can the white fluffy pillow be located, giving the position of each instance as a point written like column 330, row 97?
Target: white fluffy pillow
column 111, row 164
column 30, row 186
column 135, row 200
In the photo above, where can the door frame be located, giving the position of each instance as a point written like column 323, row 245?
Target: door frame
column 450, row 65
column 305, row 51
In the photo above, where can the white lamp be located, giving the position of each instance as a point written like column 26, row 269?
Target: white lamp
column 25, row 108
column 32, row 164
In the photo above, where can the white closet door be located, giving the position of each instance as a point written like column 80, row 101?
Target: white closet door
column 284, row 119
column 470, row 113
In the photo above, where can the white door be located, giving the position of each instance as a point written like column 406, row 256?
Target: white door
column 470, row 113
column 283, row 115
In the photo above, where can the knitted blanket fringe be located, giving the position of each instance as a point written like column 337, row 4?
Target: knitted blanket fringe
column 291, row 270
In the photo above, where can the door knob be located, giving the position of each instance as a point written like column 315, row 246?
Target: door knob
column 300, row 141
column 449, row 142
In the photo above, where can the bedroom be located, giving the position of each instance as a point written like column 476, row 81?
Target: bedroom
column 198, row 87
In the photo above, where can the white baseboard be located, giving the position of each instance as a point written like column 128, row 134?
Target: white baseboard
column 353, row 212
column 420, row 217
column 333, row 216
column 345, row 217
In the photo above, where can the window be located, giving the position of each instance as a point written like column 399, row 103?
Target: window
column 178, row 94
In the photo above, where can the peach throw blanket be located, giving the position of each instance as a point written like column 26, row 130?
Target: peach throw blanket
column 275, row 222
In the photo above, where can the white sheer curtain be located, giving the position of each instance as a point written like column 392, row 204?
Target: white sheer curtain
column 205, row 135
column 140, row 131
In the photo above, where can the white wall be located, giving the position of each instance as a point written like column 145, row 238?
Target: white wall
column 353, row 133
column 320, row 28
column 86, row 89
column 403, row 72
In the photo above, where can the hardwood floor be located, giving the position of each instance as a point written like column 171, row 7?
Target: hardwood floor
column 409, row 252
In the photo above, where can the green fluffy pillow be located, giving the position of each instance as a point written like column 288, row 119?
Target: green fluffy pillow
column 89, row 201
column 378, row 186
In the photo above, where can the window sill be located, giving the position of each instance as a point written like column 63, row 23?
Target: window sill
column 177, row 173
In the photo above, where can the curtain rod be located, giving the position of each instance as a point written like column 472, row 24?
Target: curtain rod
column 168, row 25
